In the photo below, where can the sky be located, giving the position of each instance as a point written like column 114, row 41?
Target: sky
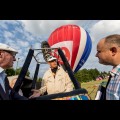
column 24, row 34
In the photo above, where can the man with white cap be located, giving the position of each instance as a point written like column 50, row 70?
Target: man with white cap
column 7, row 57
column 55, row 80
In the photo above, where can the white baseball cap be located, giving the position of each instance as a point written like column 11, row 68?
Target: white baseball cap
column 7, row 48
column 51, row 58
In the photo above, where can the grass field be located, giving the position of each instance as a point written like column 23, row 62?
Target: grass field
column 92, row 87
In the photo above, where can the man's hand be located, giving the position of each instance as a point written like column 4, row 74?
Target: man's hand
column 36, row 93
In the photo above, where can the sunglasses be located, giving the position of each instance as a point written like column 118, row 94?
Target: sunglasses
column 10, row 52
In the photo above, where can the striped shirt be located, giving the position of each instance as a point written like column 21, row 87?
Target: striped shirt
column 113, row 89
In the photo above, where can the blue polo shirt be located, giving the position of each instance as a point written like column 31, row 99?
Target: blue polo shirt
column 2, row 78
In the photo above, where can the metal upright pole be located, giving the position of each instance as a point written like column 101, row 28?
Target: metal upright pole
column 69, row 70
column 24, row 70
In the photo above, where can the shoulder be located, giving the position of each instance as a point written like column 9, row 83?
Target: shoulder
column 47, row 73
column 60, row 69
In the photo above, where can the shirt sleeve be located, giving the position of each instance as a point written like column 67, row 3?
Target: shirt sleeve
column 43, row 88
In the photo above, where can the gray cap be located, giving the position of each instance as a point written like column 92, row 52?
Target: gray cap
column 7, row 48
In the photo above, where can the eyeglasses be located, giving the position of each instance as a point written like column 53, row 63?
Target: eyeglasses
column 10, row 52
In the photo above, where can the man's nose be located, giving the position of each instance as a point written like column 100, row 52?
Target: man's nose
column 96, row 55
column 14, row 59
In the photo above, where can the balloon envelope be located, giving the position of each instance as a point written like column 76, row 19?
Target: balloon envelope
column 75, row 43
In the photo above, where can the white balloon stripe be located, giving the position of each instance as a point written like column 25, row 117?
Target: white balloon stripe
column 81, row 47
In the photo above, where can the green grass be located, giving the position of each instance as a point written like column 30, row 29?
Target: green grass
column 92, row 87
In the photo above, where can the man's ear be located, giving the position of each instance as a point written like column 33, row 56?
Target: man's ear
column 113, row 50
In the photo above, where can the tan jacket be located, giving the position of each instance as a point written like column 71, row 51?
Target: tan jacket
column 61, row 82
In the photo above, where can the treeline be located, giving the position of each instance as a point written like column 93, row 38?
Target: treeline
column 86, row 75
column 12, row 72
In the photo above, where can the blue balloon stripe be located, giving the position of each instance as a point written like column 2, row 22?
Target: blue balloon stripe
column 83, row 59
column 80, row 63
column 86, row 53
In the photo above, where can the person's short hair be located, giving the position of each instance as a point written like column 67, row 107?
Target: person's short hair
column 113, row 39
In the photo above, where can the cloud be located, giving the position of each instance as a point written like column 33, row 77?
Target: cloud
column 8, row 34
column 36, row 45
column 3, row 25
column 105, row 27
column 11, row 22
column 42, row 27
column 23, row 43
column 45, row 27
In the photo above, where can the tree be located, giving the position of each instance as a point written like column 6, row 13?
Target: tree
column 85, row 75
column 39, row 79
column 10, row 72
column 19, row 70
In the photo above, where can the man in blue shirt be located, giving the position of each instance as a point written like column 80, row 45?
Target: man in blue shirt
column 108, row 53
column 7, row 57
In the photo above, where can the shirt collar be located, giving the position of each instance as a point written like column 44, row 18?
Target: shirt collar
column 58, row 68
column 1, row 70
column 115, row 71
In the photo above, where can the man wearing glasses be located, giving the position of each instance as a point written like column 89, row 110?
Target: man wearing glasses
column 7, row 58
column 55, row 80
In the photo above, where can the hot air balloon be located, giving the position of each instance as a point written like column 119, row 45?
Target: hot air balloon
column 74, row 41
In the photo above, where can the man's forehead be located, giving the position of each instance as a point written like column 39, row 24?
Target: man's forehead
column 101, row 42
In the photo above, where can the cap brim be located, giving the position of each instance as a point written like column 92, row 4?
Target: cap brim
column 52, row 60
